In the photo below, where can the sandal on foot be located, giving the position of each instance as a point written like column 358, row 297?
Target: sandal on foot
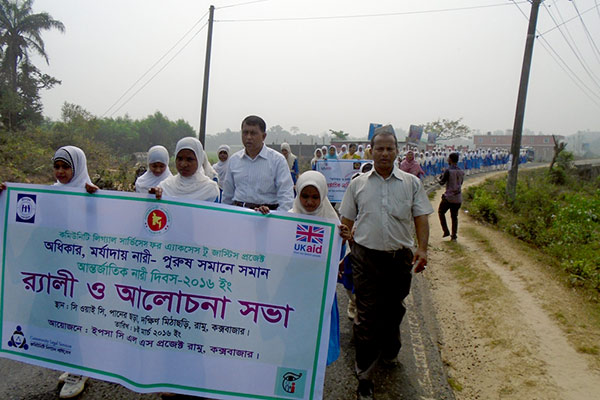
column 74, row 385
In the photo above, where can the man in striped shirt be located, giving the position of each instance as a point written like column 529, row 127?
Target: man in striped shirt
column 258, row 177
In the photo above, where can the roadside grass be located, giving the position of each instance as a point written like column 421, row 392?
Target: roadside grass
column 562, row 218
column 492, row 305
column 574, row 311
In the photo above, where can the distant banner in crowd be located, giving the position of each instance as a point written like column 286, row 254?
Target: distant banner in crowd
column 415, row 132
column 338, row 174
column 372, row 127
column 431, row 137
column 194, row 298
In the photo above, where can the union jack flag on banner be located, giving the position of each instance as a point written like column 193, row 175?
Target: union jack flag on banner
column 309, row 234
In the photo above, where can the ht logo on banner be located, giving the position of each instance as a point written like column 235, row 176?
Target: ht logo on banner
column 309, row 239
column 26, row 208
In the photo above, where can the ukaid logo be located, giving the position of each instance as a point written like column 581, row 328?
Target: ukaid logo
column 157, row 220
column 290, row 382
column 26, row 208
column 309, row 240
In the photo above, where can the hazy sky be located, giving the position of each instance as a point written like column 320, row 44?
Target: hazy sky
column 326, row 73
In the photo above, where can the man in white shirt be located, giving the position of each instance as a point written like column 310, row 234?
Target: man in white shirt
column 258, row 177
column 384, row 202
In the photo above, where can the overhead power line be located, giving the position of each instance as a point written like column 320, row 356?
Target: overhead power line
column 391, row 14
column 597, row 7
column 160, row 70
column 240, row 4
column 587, row 32
column 564, row 66
column 575, row 50
column 152, row 66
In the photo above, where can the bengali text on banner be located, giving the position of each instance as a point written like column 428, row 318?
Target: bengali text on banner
column 188, row 297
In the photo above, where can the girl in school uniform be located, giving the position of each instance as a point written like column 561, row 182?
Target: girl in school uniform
column 70, row 171
column 158, row 169
column 190, row 182
column 312, row 200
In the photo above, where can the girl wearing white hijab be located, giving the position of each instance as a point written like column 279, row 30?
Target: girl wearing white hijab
column 312, row 200
column 291, row 159
column 221, row 165
column 70, row 169
column 312, row 196
column 190, row 182
column 158, row 169
column 318, row 156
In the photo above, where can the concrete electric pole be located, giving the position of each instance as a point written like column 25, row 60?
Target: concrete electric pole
column 202, row 133
column 511, row 183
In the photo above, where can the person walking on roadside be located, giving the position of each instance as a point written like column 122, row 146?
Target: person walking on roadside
column 451, row 200
column 258, row 177
column 384, row 202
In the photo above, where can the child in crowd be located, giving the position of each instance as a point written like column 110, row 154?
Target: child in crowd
column 318, row 156
column 221, row 166
column 190, row 181
column 158, row 169
column 312, row 200
column 291, row 160
column 332, row 153
column 70, row 171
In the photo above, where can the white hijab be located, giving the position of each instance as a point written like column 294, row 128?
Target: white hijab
column 195, row 187
column 75, row 157
column 314, row 160
column 290, row 158
column 221, row 166
column 316, row 179
column 148, row 179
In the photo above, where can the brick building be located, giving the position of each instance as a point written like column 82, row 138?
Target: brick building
column 542, row 145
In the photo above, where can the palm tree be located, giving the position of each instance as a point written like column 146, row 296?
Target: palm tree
column 20, row 32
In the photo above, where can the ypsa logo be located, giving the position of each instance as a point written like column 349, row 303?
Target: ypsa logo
column 309, row 239
column 157, row 220
column 26, row 208
column 18, row 340
column 290, row 382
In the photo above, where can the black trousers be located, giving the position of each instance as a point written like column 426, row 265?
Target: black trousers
column 445, row 205
column 381, row 282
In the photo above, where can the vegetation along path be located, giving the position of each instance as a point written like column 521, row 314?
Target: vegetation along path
column 510, row 327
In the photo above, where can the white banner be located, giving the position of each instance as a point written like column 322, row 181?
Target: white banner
column 165, row 295
column 338, row 174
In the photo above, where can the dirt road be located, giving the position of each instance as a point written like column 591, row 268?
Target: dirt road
column 510, row 328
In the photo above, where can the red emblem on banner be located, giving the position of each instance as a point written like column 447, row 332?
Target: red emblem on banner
column 156, row 220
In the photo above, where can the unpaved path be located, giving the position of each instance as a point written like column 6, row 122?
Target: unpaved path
column 509, row 328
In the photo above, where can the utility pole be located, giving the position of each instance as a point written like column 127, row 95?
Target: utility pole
column 511, row 183
column 202, row 134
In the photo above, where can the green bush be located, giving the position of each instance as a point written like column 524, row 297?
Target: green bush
column 561, row 219
column 484, row 206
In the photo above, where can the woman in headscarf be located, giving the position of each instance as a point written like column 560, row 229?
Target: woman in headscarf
column 361, row 151
column 291, row 159
column 221, row 165
column 332, row 153
column 158, row 169
column 190, row 181
column 312, row 200
column 324, row 152
column 343, row 151
column 318, row 156
column 411, row 166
